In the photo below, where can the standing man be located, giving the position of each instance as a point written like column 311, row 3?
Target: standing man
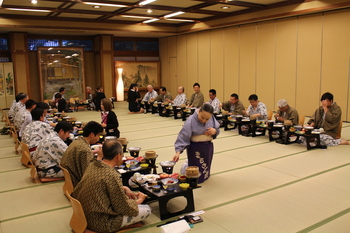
column 213, row 101
column 79, row 155
column 285, row 112
column 197, row 98
column 50, row 150
column 234, row 106
column 328, row 117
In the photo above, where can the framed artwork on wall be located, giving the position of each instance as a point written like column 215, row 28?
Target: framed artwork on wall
column 61, row 67
column 142, row 73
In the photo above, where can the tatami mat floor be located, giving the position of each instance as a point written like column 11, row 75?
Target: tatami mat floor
column 256, row 185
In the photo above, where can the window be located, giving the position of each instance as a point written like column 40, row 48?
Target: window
column 33, row 44
column 124, row 45
column 86, row 44
column 3, row 44
column 130, row 45
column 147, row 46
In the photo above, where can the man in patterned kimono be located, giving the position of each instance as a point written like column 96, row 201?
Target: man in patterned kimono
column 23, row 117
column 13, row 105
column 79, row 155
column 180, row 98
column 22, row 99
column 36, row 130
column 50, row 150
column 256, row 110
column 285, row 112
column 107, row 204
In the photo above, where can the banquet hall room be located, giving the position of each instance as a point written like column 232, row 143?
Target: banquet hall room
column 277, row 49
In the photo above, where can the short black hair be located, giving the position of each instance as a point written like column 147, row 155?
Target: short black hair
column 163, row 88
column 92, row 127
column 64, row 125
column 111, row 148
column 253, row 97
column 18, row 96
column 328, row 96
column 22, row 96
column 61, row 89
column 30, row 103
column 37, row 113
column 132, row 85
column 58, row 96
column 235, row 95
column 42, row 105
column 213, row 91
column 207, row 108
column 196, row 84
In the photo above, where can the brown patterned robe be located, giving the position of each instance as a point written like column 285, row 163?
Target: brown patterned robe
column 291, row 114
column 77, row 158
column 102, row 196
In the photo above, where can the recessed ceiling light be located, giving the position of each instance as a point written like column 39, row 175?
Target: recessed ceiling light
column 225, row 7
column 34, row 1
column 149, row 11
column 103, row 4
column 96, row 6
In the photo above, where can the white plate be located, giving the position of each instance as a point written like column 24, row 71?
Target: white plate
column 277, row 125
column 151, row 176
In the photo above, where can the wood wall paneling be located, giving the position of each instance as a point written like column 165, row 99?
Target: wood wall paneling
column 216, row 64
column 192, row 63
column 90, row 78
column 21, row 78
column 286, row 48
column 34, row 75
column 172, row 72
column 181, row 46
column 335, row 58
column 265, row 63
column 163, row 54
column 231, row 62
column 247, row 62
column 172, row 46
column 203, row 63
column 308, row 64
column 107, row 75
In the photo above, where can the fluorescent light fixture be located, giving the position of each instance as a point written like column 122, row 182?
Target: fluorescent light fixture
column 150, row 21
column 135, row 16
column 182, row 20
column 23, row 9
column 103, row 4
column 146, row 2
column 173, row 14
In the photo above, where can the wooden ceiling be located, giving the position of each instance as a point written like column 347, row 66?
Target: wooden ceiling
column 129, row 12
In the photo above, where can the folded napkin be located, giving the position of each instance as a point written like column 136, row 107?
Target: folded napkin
column 176, row 227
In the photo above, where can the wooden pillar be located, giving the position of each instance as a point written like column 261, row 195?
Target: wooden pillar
column 104, row 58
column 19, row 55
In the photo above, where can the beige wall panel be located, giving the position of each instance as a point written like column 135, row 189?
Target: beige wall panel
column 172, row 72
column 20, row 73
column 192, row 63
column 308, row 64
column 203, row 62
column 335, row 57
column 265, row 63
column 107, row 42
column 231, row 62
column 181, row 62
column 164, row 62
column 216, row 64
column 90, row 79
column 34, row 75
column 19, row 41
column 286, row 39
column 247, row 62
column 172, row 46
column 107, row 75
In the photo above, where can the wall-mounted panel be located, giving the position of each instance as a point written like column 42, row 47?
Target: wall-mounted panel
column 308, row 64
column 335, row 57
column 192, row 63
column 172, row 46
column 181, row 62
column 286, row 51
column 247, row 62
column 265, row 63
column 164, row 58
column 203, row 62
column 231, row 62
column 216, row 64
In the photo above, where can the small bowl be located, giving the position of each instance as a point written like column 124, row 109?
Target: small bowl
column 170, row 181
column 133, row 163
column 184, row 186
column 183, row 179
column 140, row 180
column 144, row 165
column 156, row 188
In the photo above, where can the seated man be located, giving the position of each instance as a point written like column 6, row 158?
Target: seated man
column 149, row 96
column 13, row 105
column 23, row 116
column 234, row 106
column 89, row 97
column 163, row 95
column 197, row 98
column 256, row 110
column 45, row 107
column 180, row 98
column 36, row 130
column 60, row 103
column 286, row 112
column 50, row 150
column 107, row 204
column 213, row 101
column 79, row 155
column 22, row 99
column 62, row 91
column 328, row 117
